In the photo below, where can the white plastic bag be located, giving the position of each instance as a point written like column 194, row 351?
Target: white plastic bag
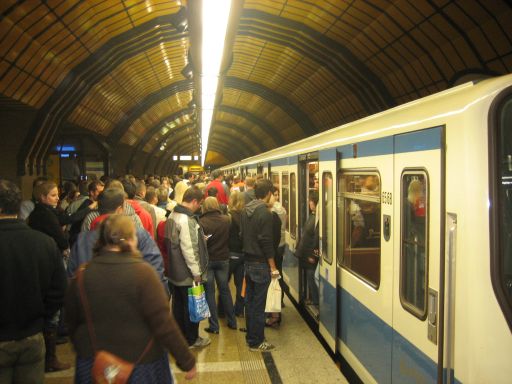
column 273, row 303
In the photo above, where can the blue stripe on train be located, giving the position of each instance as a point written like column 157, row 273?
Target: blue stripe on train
column 423, row 140
column 384, row 353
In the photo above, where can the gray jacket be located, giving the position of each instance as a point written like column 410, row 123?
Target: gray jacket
column 186, row 247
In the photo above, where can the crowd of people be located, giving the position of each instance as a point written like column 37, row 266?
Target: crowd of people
column 99, row 262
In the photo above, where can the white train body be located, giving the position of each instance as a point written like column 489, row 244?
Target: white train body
column 423, row 297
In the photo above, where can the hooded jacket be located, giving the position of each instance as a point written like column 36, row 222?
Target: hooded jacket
column 217, row 225
column 256, row 229
column 186, row 247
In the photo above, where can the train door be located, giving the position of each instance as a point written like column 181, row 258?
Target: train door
column 327, row 262
column 289, row 199
column 418, row 237
column 364, row 257
column 308, row 185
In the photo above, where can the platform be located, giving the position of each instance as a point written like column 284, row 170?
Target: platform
column 298, row 358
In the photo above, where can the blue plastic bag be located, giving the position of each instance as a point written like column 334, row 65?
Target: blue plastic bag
column 197, row 305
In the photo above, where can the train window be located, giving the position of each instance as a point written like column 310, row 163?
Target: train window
column 313, row 181
column 360, row 225
column 285, row 196
column 293, row 205
column 414, row 242
column 327, row 213
column 501, row 203
column 274, row 177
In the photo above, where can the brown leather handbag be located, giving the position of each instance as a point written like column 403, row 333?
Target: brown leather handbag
column 107, row 367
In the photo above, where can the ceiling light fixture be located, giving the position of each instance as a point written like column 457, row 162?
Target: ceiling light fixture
column 215, row 23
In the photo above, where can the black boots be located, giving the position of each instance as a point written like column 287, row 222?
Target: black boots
column 52, row 364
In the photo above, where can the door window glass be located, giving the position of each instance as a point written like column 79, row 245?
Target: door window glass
column 327, row 212
column 285, row 198
column 501, row 225
column 360, row 226
column 414, row 240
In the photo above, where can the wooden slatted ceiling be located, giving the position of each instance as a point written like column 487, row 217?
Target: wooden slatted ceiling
column 173, row 126
column 112, row 98
column 41, row 42
column 153, row 115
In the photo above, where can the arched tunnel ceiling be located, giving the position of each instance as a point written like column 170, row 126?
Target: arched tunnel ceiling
column 119, row 69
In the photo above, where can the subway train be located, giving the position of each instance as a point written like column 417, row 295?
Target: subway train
column 415, row 223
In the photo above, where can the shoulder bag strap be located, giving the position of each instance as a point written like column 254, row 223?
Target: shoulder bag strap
column 85, row 304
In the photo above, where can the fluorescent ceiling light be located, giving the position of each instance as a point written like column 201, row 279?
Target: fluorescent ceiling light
column 215, row 23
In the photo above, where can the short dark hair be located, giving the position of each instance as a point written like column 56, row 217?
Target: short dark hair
column 150, row 194
column 83, row 187
column 129, row 188
column 10, row 198
column 192, row 193
column 212, row 191
column 93, row 186
column 140, row 187
column 110, row 199
column 187, row 175
column 313, row 196
column 217, row 173
column 262, row 188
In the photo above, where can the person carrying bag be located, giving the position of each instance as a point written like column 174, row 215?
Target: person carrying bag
column 118, row 315
column 107, row 367
column 274, row 292
column 197, row 305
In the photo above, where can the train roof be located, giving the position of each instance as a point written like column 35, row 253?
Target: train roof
column 401, row 118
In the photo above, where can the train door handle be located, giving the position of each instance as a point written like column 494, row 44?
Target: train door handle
column 387, row 227
column 432, row 315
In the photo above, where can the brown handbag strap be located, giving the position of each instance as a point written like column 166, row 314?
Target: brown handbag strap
column 85, row 304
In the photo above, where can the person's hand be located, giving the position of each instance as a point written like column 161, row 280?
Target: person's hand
column 191, row 374
column 275, row 274
column 311, row 260
column 197, row 279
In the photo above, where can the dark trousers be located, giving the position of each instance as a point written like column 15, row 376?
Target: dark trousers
column 257, row 278
column 236, row 268
column 180, row 311
column 312, row 287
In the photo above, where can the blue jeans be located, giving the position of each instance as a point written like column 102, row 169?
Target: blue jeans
column 257, row 278
column 218, row 271
column 236, row 268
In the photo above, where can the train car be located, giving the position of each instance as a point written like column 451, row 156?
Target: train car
column 415, row 221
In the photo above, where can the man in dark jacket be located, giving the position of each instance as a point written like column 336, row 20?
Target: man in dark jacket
column 307, row 250
column 260, row 267
column 32, row 287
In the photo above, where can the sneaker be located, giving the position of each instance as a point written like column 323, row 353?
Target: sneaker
column 263, row 347
column 200, row 343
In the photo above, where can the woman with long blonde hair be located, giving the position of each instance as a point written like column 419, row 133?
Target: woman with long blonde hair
column 236, row 256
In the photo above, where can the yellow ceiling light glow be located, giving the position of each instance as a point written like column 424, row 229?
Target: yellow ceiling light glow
column 215, row 23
